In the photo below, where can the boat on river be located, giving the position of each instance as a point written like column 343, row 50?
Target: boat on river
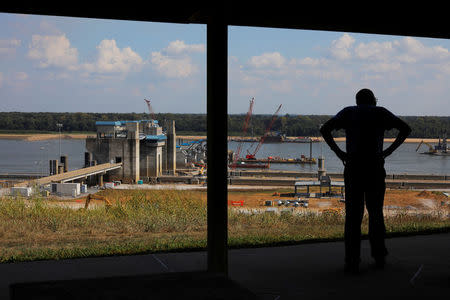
column 441, row 149
column 280, row 160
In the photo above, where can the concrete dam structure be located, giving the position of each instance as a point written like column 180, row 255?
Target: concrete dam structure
column 141, row 146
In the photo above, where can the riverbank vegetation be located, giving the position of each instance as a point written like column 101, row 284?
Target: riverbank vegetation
column 195, row 124
column 145, row 221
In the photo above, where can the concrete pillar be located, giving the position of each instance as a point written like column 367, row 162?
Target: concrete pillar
column 154, row 157
column 134, row 142
column 64, row 161
column 165, row 165
column 171, row 149
column 159, row 163
column 53, row 167
column 321, row 164
column 100, row 179
column 94, row 178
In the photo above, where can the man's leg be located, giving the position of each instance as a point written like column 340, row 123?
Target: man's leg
column 377, row 229
column 354, row 210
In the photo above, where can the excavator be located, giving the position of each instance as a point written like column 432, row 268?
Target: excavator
column 431, row 149
column 96, row 197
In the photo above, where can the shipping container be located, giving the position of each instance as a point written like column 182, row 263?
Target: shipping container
column 66, row 189
column 21, row 191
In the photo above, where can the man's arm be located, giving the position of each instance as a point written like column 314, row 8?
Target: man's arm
column 325, row 130
column 404, row 131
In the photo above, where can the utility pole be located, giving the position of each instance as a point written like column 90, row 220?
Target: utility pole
column 59, row 129
column 42, row 160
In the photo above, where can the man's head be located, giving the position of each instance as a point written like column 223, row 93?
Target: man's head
column 365, row 96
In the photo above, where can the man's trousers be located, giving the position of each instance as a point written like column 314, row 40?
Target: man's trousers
column 364, row 182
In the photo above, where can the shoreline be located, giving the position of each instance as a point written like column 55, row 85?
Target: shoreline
column 41, row 136
column 50, row 136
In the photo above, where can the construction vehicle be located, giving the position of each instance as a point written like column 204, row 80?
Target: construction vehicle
column 261, row 141
column 431, row 149
column 440, row 149
column 96, row 197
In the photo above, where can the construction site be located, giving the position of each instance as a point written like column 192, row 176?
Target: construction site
column 142, row 154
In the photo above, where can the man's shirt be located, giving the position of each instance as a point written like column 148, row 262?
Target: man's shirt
column 364, row 127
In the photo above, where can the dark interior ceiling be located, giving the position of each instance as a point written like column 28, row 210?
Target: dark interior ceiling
column 413, row 19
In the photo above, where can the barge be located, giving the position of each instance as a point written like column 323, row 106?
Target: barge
column 279, row 160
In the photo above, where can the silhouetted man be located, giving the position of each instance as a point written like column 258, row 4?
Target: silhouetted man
column 364, row 173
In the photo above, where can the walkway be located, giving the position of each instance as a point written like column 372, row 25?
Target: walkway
column 418, row 268
column 73, row 175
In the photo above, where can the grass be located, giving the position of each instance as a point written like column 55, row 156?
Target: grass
column 161, row 221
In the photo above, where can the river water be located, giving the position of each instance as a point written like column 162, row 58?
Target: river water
column 404, row 160
column 19, row 156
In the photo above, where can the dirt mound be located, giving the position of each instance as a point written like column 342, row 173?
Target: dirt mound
column 424, row 194
column 433, row 195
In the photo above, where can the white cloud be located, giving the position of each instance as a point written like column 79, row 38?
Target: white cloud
column 407, row 50
column 382, row 67
column 178, row 47
column 375, row 50
column 412, row 50
column 444, row 67
column 402, row 62
column 56, row 51
column 112, row 59
column 173, row 67
column 9, row 46
column 53, row 51
column 309, row 62
column 267, row 60
column 174, row 62
column 340, row 48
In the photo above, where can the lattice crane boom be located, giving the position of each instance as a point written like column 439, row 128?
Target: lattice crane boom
column 261, row 141
column 150, row 109
column 245, row 127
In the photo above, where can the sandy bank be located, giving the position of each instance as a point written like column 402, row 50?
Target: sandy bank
column 390, row 140
column 340, row 139
column 42, row 137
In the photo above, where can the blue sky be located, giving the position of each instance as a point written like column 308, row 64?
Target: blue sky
column 58, row 64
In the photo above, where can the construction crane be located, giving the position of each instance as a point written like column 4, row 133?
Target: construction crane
column 246, row 122
column 152, row 114
column 261, row 141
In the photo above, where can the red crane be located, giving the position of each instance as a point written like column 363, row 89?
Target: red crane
column 261, row 141
column 150, row 109
column 246, row 121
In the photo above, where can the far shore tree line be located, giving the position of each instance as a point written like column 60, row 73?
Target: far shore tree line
column 195, row 124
